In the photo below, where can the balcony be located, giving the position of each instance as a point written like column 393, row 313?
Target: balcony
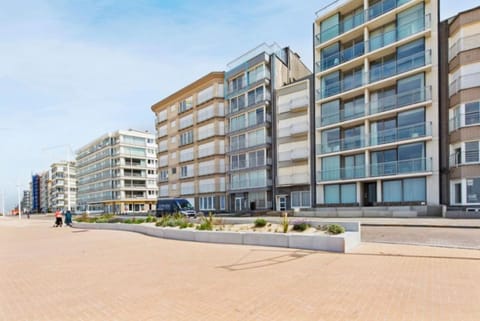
column 464, row 44
column 249, row 103
column 341, row 57
column 267, row 120
column 294, row 179
column 399, row 100
column 398, row 66
column 358, row 19
column 401, row 133
column 344, row 115
column 250, row 144
column 343, row 144
column 410, row 166
column 294, row 105
column 383, row 137
column 464, row 82
column 463, row 120
column 344, row 173
column 250, row 183
column 348, row 83
column 297, row 129
column 244, row 165
column 296, row 154
column 465, row 158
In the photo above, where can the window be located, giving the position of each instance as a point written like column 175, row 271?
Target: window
column 185, row 104
column 330, row 112
column 255, row 74
column 183, row 171
column 239, row 161
column 473, row 190
column 472, row 113
column 330, row 56
column 406, row 190
column 331, row 140
column 331, row 84
column 352, row 78
column 353, row 108
column 411, row 124
column 411, row 90
column 353, row 166
column 411, row 56
column 222, row 202
column 340, row 194
column 331, row 168
column 353, row 138
column 207, row 203
column 382, row 68
column 472, row 152
column 300, row 199
column 382, row 37
column 383, row 163
column 186, row 138
column 237, row 123
column 237, row 83
column 330, row 28
column 411, row 158
column 256, row 158
column 411, row 21
column 458, row 193
column 174, row 170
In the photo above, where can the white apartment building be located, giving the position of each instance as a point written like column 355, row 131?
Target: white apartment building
column 117, row 172
column 63, row 188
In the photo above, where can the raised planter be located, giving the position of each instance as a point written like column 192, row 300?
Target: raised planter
column 334, row 243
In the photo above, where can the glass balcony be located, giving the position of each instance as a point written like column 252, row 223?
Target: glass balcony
column 341, row 173
column 399, row 100
column 250, row 144
column 463, row 120
column 356, row 112
column 294, row 130
column 397, row 66
column 341, row 57
column 341, row 145
column 267, row 120
column 293, row 104
column 250, row 183
column 294, row 155
column 346, row 84
column 401, row 133
column 418, row 165
column 464, row 82
column 465, row 158
column 398, row 33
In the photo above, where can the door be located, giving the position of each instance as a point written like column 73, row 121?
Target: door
column 238, row 204
column 281, row 203
column 370, row 194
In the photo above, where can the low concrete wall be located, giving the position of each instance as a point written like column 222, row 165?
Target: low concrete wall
column 321, row 242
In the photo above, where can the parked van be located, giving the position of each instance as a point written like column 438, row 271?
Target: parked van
column 167, row 206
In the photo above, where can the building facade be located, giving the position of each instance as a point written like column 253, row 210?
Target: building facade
column 191, row 143
column 295, row 179
column 63, row 195
column 251, row 81
column 35, row 193
column 460, row 47
column 116, row 173
column 377, row 109
column 45, row 185
column 26, row 203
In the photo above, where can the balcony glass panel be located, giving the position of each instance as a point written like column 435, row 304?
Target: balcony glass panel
column 418, row 165
column 331, row 56
column 377, row 8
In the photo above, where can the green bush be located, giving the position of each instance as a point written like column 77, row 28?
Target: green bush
column 206, row 223
column 335, row 229
column 174, row 221
column 150, row 219
column 138, row 220
column 127, row 221
column 260, row 222
column 285, row 222
column 300, row 226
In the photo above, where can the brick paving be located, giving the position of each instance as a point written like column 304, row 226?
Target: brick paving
column 70, row 274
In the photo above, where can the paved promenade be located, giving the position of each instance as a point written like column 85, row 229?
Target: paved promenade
column 70, row 274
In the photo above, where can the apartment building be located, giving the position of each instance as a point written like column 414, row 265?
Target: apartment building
column 35, row 193
column 63, row 195
column 45, row 185
column 377, row 110
column 295, row 146
column 116, row 173
column 190, row 127
column 26, row 203
column 460, row 83
column 251, row 80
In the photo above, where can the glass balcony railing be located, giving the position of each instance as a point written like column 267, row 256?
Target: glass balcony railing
column 353, row 21
column 462, row 120
column 257, row 122
column 251, row 143
column 399, row 100
column 397, row 66
column 341, row 173
column 418, row 165
column 341, row 57
column 401, row 133
column 423, row 129
column 465, row 158
column 345, row 114
column 346, row 84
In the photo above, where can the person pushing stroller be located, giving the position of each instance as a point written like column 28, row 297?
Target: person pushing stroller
column 58, row 219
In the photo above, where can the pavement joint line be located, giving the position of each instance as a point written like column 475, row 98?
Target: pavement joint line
column 421, row 225
column 428, row 245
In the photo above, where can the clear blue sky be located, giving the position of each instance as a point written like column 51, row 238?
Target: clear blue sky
column 71, row 71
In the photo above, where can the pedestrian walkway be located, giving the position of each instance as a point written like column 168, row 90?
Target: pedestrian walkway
column 71, row 274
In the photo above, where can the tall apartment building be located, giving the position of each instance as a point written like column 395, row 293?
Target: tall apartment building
column 35, row 193
column 26, row 203
column 251, row 81
column 295, row 146
column 45, row 184
column 191, row 143
column 116, row 173
column 460, row 84
column 63, row 188
column 376, row 103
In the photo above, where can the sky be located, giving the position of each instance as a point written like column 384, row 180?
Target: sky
column 71, row 71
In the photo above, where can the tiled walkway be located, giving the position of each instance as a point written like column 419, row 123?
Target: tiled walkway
column 69, row 274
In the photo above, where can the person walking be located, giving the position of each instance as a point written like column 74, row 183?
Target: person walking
column 68, row 218
column 58, row 218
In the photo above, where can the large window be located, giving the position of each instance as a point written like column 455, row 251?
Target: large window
column 473, row 190
column 406, row 190
column 207, row 203
column 300, row 199
column 331, row 84
column 186, row 138
column 472, row 152
column 472, row 113
column 330, row 112
column 330, row 28
column 382, row 36
column 411, row 21
column 411, row 55
column 185, row 104
column 411, row 90
column 331, row 140
column 331, row 168
column 340, row 194
column 411, row 158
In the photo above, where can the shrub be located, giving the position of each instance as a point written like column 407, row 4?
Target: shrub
column 206, row 223
column 335, row 229
column 300, row 226
column 260, row 222
column 150, row 219
column 127, row 221
column 138, row 221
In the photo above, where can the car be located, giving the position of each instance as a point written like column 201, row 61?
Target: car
column 166, row 206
